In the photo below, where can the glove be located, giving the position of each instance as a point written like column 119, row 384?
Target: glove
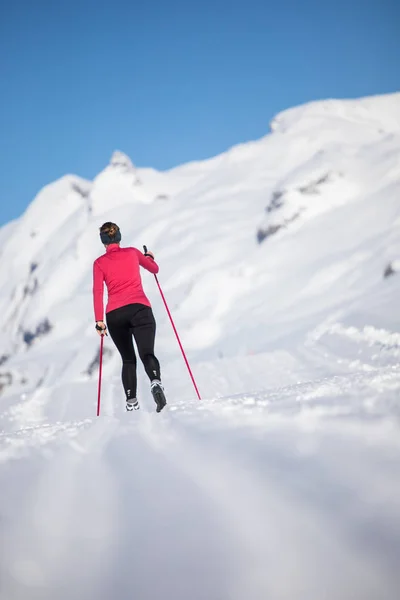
column 101, row 328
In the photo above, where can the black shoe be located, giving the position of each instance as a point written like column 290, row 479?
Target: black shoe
column 132, row 404
column 157, row 391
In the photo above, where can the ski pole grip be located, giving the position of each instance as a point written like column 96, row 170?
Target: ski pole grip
column 145, row 249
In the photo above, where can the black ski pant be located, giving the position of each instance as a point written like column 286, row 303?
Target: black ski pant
column 136, row 320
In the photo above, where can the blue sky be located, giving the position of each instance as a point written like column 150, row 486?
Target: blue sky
column 171, row 81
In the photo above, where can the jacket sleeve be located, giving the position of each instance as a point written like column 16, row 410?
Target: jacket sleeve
column 98, row 292
column 147, row 262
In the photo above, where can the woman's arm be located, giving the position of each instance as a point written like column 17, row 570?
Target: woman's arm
column 98, row 292
column 147, row 262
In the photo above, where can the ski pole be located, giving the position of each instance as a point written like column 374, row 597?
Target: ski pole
column 100, row 371
column 175, row 331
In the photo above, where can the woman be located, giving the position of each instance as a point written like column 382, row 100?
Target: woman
column 128, row 311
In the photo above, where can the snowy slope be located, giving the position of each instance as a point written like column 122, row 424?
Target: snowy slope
column 274, row 257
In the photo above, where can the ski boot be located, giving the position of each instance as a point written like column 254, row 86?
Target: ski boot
column 157, row 392
column 132, row 404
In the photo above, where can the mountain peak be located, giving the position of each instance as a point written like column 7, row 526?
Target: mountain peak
column 380, row 112
column 120, row 160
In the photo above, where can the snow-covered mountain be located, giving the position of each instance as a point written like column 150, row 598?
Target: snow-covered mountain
column 280, row 261
column 275, row 244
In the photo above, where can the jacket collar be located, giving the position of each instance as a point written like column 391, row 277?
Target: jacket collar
column 112, row 248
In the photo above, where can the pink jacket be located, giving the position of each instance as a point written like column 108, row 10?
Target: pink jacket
column 119, row 269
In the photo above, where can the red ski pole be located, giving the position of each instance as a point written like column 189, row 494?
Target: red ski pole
column 176, row 333
column 100, row 371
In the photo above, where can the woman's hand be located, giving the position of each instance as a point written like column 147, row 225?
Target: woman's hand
column 148, row 253
column 101, row 328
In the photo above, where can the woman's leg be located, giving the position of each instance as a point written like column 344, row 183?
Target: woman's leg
column 144, row 331
column 120, row 331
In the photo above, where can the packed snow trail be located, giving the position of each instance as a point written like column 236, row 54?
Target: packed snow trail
column 291, row 493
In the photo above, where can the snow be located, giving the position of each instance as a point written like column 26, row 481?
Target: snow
column 283, row 481
column 260, row 495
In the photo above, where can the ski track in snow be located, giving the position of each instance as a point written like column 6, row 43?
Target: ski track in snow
column 290, row 493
